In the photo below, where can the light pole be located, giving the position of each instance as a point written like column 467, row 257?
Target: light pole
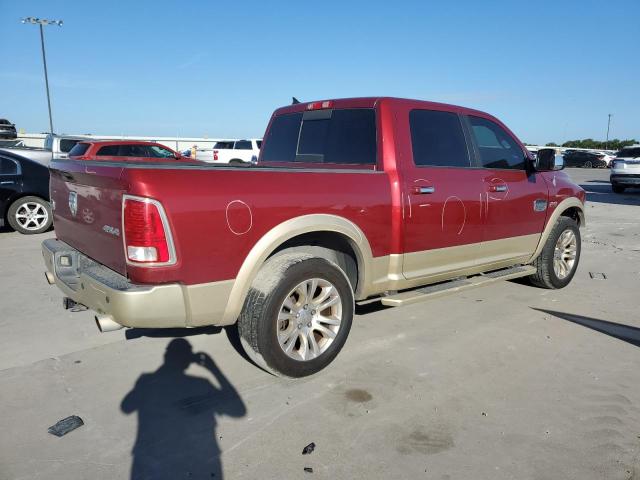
column 40, row 22
column 606, row 144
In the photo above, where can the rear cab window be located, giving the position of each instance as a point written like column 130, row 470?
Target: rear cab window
column 339, row 137
column 67, row 144
column 223, row 146
column 629, row 152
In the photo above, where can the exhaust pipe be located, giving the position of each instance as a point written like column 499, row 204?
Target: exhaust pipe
column 50, row 278
column 106, row 323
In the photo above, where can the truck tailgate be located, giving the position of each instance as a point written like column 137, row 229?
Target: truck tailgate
column 87, row 214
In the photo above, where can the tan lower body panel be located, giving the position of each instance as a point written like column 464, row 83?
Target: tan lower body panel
column 438, row 265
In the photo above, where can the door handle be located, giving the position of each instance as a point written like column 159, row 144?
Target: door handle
column 498, row 188
column 423, row 190
column 7, row 182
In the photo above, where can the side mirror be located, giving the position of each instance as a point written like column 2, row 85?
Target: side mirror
column 547, row 160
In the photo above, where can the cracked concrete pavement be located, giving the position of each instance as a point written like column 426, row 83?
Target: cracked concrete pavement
column 506, row 381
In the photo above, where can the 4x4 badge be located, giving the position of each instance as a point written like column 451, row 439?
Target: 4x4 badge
column 73, row 203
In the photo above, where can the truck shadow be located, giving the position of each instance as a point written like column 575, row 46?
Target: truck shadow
column 231, row 331
column 620, row 331
column 602, row 193
column 177, row 414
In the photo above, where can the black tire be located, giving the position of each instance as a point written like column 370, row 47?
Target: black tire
column 588, row 164
column 546, row 276
column 617, row 188
column 258, row 324
column 18, row 207
column 236, row 162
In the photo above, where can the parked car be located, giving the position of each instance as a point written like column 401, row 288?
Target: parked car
column 7, row 129
column 352, row 200
column 61, row 145
column 237, row 152
column 607, row 157
column 24, row 190
column 625, row 169
column 129, row 150
column 584, row 159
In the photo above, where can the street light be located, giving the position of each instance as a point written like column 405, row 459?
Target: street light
column 606, row 144
column 40, row 22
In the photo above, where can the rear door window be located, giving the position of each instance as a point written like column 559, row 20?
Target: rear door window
column 497, row 148
column 344, row 136
column 8, row 166
column 243, row 145
column 109, row 151
column 437, row 139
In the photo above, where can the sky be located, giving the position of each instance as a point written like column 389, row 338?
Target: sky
column 551, row 70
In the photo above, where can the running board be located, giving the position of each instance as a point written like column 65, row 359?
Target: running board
column 440, row 289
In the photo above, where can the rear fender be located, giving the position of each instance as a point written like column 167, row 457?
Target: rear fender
column 286, row 231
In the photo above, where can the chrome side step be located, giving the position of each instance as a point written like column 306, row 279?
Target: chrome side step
column 445, row 288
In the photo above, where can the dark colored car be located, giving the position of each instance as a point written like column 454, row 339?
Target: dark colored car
column 24, row 192
column 579, row 158
column 7, row 129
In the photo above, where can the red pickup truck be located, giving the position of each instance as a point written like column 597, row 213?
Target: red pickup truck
column 352, row 200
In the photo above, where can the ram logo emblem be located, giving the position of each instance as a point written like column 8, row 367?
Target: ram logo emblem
column 73, row 203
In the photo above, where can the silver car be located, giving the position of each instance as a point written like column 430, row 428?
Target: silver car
column 625, row 169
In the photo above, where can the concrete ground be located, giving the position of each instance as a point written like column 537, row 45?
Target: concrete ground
column 507, row 381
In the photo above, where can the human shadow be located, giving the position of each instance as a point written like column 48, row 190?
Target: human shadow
column 177, row 417
column 620, row 331
column 602, row 193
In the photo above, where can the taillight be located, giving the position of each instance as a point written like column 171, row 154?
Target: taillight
column 215, row 154
column 147, row 238
column 319, row 105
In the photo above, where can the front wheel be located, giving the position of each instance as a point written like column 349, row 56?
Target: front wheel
column 30, row 215
column 557, row 263
column 297, row 315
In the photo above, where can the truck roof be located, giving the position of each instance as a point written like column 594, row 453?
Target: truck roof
column 371, row 102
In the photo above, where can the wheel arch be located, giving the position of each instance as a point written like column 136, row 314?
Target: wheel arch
column 569, row 207
column 324, row 230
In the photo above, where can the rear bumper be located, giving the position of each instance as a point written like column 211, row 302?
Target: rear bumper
column 632, row 179
column 147, row 306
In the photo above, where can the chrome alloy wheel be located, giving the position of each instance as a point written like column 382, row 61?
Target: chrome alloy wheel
column 564, row 255
column 32, row 216
column 309, row 319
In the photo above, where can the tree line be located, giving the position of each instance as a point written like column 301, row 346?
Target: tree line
column 614, row 144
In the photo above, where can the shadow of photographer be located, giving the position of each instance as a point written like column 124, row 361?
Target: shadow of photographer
column 177, row 417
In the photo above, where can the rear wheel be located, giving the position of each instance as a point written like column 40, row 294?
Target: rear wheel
column 30, row 215
column 297, row 315
column 236, row 162
column 588, row 164
column 557, row 263
column 617, row 188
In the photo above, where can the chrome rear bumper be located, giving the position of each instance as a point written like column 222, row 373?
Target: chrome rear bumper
column 109, row 293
